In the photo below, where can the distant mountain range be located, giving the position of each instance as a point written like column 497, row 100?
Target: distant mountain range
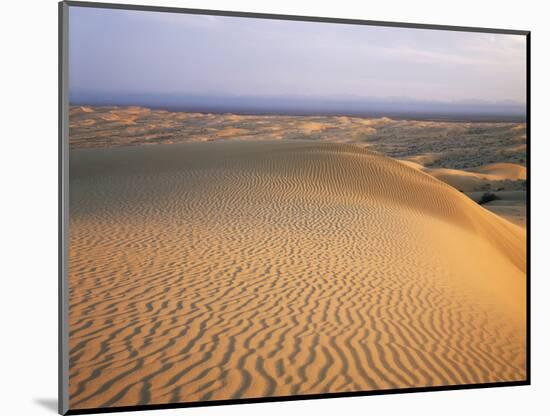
column 396, row 107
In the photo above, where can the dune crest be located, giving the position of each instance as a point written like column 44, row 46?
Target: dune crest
column 210, row 271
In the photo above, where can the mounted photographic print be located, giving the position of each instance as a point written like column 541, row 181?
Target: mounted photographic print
column 263, row 207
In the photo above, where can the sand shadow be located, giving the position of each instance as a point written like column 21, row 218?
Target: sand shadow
column 49, row 404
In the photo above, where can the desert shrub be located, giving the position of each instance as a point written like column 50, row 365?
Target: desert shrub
column 487, row 197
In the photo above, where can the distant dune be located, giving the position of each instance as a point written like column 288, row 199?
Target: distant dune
column 208, row 271
column 456, row 145
column 503, row 171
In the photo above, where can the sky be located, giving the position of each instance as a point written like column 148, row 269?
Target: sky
column 137, row 57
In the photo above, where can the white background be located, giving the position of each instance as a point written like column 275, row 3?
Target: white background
column 28, row 164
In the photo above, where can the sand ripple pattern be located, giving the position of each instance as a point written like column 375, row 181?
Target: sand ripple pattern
column 209, row 271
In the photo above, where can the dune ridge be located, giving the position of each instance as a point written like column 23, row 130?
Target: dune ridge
column 207, row 271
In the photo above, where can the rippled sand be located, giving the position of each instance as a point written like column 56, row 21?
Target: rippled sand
column 207, row 271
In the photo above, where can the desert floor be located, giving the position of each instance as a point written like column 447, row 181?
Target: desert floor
column 246, row 268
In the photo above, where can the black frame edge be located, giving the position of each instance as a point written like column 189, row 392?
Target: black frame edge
column 297, row 397
column 63, row 307
column 255, row 15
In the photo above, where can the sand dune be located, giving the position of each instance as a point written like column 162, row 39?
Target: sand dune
column 506, row 181
column 475, row 179
column 461, row 179
column 207, row 271
column 503, row 171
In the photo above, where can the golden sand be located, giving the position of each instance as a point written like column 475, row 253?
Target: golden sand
column 209, row 271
